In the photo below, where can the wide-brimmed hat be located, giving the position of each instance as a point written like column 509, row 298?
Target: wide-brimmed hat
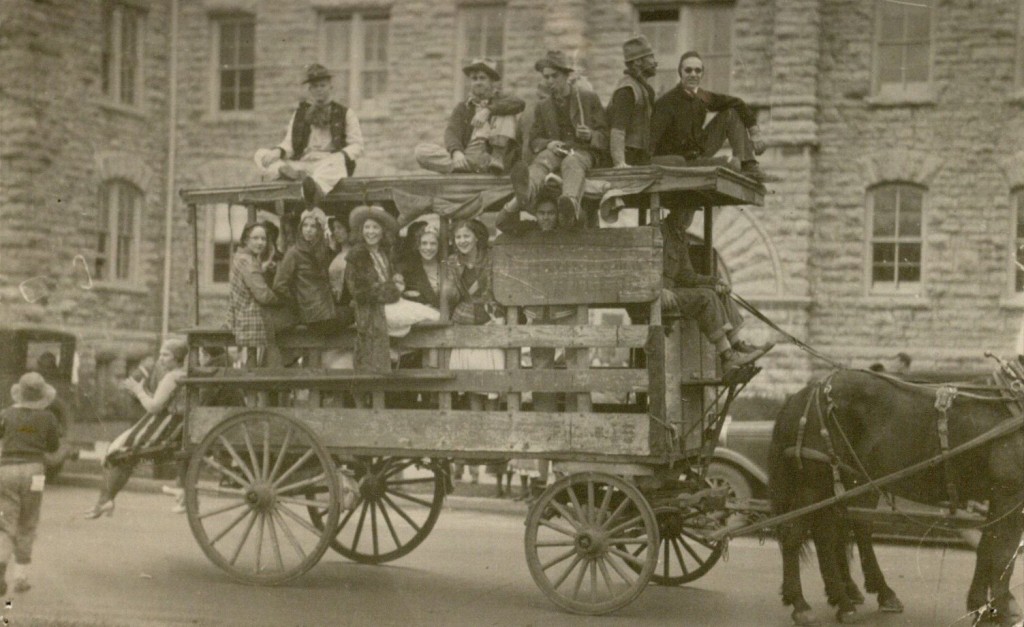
column 554, row 59
column 485, row 65
column 636, row 48
column 362, row 213
column 315, row 72
column 32, row 391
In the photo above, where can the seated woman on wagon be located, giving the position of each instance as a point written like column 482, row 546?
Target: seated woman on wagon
column 252, row 299
column 302, row 277
column 376, row 288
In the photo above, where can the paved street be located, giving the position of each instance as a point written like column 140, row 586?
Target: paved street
column 143, row 567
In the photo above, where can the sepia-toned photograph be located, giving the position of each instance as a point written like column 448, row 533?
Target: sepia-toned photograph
column 511, row 312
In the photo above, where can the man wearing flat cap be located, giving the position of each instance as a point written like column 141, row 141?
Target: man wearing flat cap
column 481, row 132
column 322, row 143
column 629, row 113
column 569, row 135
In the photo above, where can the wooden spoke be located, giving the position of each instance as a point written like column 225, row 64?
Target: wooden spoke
column 579, row 579
column 565, row 575
column 561, row 530
column 266, row 448
column 273, row 539
column 641, row 540
column 280, row 456
column 288, row 534
column 631, row 523
column 221, row 510
column 212, row 463
column 548, row 543
column 699, row 540
column 301, row 484
column 298, row 463
column 302, row 523
column 630, row 559
column 301, row 502
column 623, row 574
column 373, row 527
column 387, row 521
column 245, row 536
column 359, row 525
column 559, row 559
column 249, row 447
column 618, row 510
column 679, row 555
column 403, row 495
column 411, row 481
column 604, row 574
column 231, row 525
column 238, row 460
column 603, row 509
column 400, row 512
column 591, row 504
column 396, row 469
column 568, row 517
column 259, row 540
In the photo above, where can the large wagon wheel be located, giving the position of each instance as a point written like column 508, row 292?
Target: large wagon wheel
column 685, row 554
column 593, row 522
column 394, row 514
column 247, row 485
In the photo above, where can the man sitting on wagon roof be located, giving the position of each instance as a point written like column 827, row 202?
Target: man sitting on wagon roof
column 322, row 143
column 481, row 132
column 702, row 297
column 690, row 124
column 569, row 135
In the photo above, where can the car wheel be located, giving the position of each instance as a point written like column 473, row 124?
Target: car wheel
column 721, row 474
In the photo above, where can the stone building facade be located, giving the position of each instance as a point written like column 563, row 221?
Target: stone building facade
column 895, row 128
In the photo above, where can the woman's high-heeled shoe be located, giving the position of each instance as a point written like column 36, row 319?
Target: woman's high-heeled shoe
column 106, row 507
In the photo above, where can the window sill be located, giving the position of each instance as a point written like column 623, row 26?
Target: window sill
column 897, row 300
column 120, row 287
column 123, row 109
column 902, row 98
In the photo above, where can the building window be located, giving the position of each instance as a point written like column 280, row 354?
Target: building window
column 895, row 244
column 117, row 231
column 1017, row 200
column 903, row 46
column 355, row 49
column 236, row 62
column 481, row 34
column 705, row 27
column 121, row 60
column 226, row 222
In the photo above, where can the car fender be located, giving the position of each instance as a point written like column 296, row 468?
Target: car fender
column 730, row 456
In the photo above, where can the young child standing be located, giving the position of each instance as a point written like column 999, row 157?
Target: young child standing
column 29, row 431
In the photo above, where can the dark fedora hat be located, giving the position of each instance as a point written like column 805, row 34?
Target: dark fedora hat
column 485, row 65
column 316, row 72
column 554, row 59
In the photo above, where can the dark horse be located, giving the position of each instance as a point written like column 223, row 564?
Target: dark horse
column 874, row 426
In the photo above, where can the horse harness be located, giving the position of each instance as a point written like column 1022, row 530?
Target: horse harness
column 1009, row 379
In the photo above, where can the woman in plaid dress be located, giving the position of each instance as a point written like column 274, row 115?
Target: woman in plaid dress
column 249, row 291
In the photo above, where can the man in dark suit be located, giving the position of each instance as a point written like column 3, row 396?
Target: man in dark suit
column 689, row 124
column 569, row 135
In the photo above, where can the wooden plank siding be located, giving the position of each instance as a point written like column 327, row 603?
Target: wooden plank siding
column 464, row 336
column 494, row 434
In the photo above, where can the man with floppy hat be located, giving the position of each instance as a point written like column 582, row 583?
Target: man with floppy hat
column 30, row 431
column 322, row 143
column 481, row 132
column 569, row 136
column 629, row 113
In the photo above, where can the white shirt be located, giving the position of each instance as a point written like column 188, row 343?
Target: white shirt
column 320, row 138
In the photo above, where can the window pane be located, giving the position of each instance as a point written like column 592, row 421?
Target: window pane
column 917, row 23
column 246, row 43
column 891, row 16
column 884, row 254
column 890, row 63
column 228, row 43
column 338, row 37
column 909, row 267
column 910, row 212
column 884, row 212
column 916, row 63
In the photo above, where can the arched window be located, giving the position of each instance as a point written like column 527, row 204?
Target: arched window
column 117, row 231
column 895, row 213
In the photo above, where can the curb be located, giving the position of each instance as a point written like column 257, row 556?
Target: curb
column 155, row 486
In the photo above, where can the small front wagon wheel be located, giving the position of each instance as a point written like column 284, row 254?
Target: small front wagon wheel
column 591, row 543
column 248, row 487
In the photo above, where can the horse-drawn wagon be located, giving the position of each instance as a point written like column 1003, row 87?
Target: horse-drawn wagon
column 273, row 485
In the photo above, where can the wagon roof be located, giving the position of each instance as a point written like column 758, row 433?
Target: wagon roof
column 701, row 186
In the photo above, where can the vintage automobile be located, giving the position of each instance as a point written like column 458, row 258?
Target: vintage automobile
column 51, row 353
